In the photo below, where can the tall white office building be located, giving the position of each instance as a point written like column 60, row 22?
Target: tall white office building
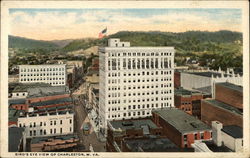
column 134, row 80
column 54, row 75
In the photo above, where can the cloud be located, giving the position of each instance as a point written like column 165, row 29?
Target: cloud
column 65, row 24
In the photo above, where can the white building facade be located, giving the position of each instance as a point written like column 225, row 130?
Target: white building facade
column 195, row 79
column 54, row 75
column 134, row 80
column 47, row 125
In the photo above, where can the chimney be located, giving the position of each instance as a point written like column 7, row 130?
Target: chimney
column 216, row 135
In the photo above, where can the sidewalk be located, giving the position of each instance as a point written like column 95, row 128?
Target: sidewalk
column 99, row 135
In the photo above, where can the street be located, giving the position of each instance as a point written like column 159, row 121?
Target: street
column 82, row 118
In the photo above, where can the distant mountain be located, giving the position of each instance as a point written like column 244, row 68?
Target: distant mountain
column 25, row 43
column 188, row 41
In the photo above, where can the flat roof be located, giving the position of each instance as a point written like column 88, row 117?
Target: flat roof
column 23, row 87
column 17, row 101
column 223, row 106
column 36, row 140
column 55, row 101
column 208, row 74
column 231, row 86
column 14, row 114
column 233, row 130
column 213, row 147
column 181, row 121
column 183, row 92
column 47, row 91
column 15, row 136
column 133, row 124
column 150, row 144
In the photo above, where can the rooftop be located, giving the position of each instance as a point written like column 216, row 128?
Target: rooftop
column 50, row 102
column 208, row 74
column 233, row 130
column 15, row 136
column 14, row 114
column 223, row 106
column 213, row 147
column 23, row 87
column 150, row 145
column 181, row 121
column 37, row 140
column 45, row 113
column 17, row 101
column 133, row 124
column 47, row 91
column 231, row 86
column 184, row 92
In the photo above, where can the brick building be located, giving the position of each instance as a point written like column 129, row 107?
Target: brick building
column 180, row 127
column 230, row 94
column 177, row 79
column 43, row 144
column 189, row 101
column 226, row 107
column 117, row 130
column 150, row 144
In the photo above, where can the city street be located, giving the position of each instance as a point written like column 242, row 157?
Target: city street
column 82, row 118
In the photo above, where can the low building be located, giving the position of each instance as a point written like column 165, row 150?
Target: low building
column 227, row 106
column 230, row 136
column 230, row 94
column 149, row 144
column 47, row 123
column 180, row 127
column 204, row 80
column 117, row 130
column 17, row 139
column 212, row 110
column 53, row 143
column 18, row 104
column 189, row 101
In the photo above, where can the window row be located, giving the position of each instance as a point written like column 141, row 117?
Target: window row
column 40, row 79
column 138, row 100
column 42, row 74
column 127, row 64
column 140, row 54
column 44, row 131
column 117, row 94
column 129, row 114
column 117, row 74
column 40, row 69
column 35, row 124
column 114, row 88
column 143, row 106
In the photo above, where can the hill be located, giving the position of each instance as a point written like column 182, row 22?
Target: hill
column 211, row 49
column 189, row 41
column 25, row 43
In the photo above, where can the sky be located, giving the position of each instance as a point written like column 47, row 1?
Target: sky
column 58, row 24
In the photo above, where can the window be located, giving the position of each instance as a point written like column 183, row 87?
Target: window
column 60, row 121
column 54, row 122
column 70, row 121
column 202, row 135
column 185, row 137
column 30, row 133
column 54, row 130
column 60, row 130
column 195, row 136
